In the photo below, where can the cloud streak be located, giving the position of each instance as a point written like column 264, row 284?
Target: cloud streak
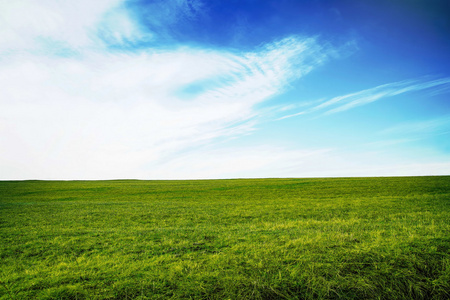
column 349, row 101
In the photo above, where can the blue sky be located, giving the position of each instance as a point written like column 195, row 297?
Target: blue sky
column 187, row 89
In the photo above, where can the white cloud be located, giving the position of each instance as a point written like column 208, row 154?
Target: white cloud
column 115, row 115
column 118, row 28
column 28, row 25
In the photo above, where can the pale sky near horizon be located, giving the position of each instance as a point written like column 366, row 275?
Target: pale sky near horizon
column 191, row 89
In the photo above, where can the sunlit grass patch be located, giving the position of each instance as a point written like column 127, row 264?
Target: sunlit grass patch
column 357, row 238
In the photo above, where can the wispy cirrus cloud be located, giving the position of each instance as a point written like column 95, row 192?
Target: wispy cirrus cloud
column 345, row 102
column 387, row 90
column 110, row 114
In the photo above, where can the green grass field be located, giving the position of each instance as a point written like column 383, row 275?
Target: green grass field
column 349, row 238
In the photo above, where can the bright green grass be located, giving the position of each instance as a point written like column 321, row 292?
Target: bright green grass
column 358, row 238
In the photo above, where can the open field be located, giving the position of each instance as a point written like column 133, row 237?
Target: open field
column 351, row 238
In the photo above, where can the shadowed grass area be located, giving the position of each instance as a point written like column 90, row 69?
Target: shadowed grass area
column 353, row 238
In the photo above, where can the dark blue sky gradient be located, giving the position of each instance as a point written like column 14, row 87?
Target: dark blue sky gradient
column 408, row 38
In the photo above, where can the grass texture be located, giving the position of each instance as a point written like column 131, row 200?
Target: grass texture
column 342, row 238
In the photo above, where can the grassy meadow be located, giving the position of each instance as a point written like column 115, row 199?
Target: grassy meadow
column 342, row 238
